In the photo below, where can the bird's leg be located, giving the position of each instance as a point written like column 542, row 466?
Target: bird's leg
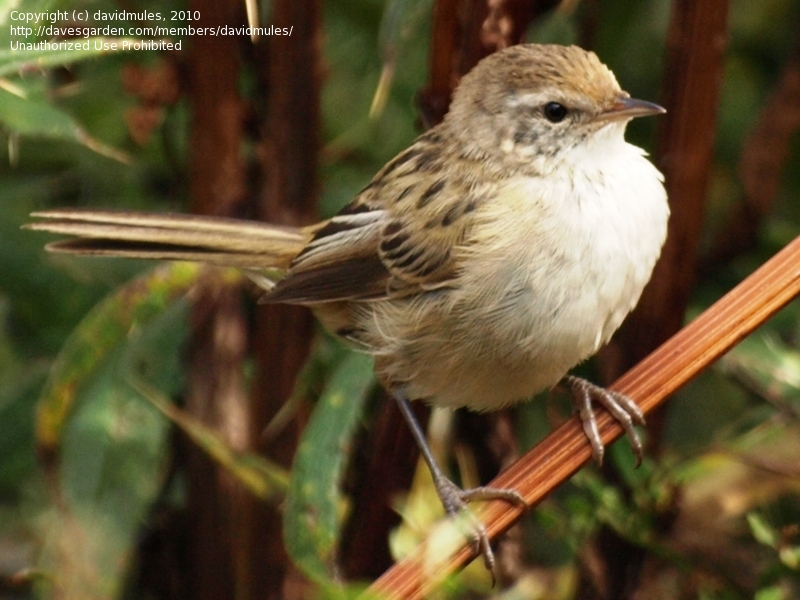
column 621, row 407
column 453, row 498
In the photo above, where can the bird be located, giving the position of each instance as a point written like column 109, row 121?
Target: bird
column 502, row 248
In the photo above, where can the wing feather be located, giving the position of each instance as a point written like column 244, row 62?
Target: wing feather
column 398, row 235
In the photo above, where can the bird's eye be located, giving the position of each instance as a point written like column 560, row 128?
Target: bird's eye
column 554, row 112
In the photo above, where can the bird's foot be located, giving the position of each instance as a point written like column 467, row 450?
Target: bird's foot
column 621, row 407
column 454, row 500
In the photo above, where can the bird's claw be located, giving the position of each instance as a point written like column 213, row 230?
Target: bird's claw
column 622, row 408
column 454, row 500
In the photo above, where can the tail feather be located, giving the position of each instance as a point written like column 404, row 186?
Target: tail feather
column 224, row 242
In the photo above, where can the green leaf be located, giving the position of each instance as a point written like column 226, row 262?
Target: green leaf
column 312, row 519
column 770, row 593
column 55, row 54
column 762, row 531
column 103, row 329
column 263, row 478
column 17, row 440
column 768, row 365
column 767, row 535
column 328, row 352
column 401, row 18
column 38, row 118
column 113, row 458
column 790, row 556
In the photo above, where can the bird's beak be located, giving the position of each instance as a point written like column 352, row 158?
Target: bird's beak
column 629, row 108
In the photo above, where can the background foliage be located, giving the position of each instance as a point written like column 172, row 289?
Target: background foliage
column 91, row 462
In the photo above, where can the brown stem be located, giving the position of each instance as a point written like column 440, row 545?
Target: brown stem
column 217, row 183
column 282, row 336
column 451, row 18
column 216, row 394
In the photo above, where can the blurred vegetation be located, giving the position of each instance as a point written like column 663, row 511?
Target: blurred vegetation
column 86, row 449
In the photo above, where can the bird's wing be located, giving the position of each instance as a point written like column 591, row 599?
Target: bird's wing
column 397, row 237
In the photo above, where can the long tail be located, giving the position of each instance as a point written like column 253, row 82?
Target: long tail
column 166, row 236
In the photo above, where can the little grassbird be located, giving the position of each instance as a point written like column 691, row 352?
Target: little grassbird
column 502, row 248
